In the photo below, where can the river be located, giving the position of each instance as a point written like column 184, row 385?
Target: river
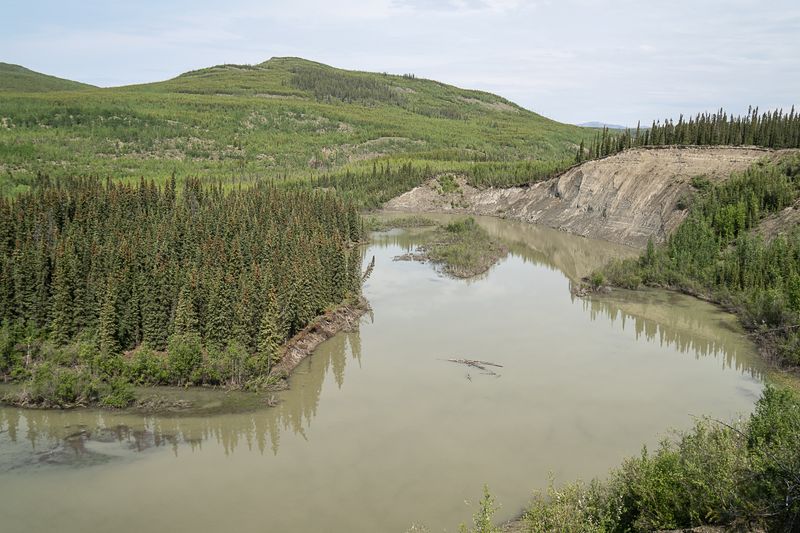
column 379, row 431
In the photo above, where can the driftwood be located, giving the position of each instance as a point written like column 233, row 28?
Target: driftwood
column 369, row 270
column 481, row 365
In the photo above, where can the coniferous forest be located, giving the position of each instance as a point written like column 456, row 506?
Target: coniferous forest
column 771, row 129
column 92, row 270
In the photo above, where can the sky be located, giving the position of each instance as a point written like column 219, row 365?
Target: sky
column 616, row 61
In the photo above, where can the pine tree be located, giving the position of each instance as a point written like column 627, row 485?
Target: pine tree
column 185, row 316
column 269, row 337
column 61, row 327
column 107, row 324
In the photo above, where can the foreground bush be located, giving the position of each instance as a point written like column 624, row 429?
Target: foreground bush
column 744, row 474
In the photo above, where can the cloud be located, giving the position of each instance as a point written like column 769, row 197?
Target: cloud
column 573, row 60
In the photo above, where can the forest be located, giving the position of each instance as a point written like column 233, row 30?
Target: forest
column 771, row 129
column 98, row 279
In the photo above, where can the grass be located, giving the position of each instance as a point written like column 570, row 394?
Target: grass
column 463, row 248
column 410, row 221
column 20, row 79
column 285, row 119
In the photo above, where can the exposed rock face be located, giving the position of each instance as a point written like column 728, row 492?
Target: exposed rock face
column 626, row 198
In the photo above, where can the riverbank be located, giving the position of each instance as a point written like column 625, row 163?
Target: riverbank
column 738, row 476
column 207, row 400
column 344, row 318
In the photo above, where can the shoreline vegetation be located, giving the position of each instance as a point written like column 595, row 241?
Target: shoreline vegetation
column 740, row 476
column 460, row 249
column 161, row 399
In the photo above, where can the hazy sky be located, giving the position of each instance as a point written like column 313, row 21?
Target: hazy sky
column 572, row 60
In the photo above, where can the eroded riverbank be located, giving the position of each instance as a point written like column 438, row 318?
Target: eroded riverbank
column 626, row 198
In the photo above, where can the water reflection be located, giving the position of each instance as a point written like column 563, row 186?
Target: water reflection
column 47, row 437
column 680, row 322
column 574, row 256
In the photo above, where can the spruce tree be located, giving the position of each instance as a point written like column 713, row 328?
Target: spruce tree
column 107, row 323
column 269, row 336
column 185, row 316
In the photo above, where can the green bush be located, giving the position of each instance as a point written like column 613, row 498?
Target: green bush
column 108, row 365
column 185, row 357
column 147, row 368
column 52, row 386
column 483, row 519
column 463, row 225
column 701, row 183
column 447, row 184
column 118, row 393
column 745, row 473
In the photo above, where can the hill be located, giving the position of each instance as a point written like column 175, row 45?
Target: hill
column 20, row 79
column 284, row 118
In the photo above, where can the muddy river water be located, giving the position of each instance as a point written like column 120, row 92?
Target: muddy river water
column 379, row 431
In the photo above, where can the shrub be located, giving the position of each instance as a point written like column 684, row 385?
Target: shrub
column 51, row 386
column 462, row 226
column 447, row 184
column 597, row 280
column 235, row 359
column 701, row 183
column 185, row 357
column 118, row 393
column 746, row 472
column 147, row 368
column 483, row 519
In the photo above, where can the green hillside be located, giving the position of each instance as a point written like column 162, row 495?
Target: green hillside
column 285, row 117
column 20, row 79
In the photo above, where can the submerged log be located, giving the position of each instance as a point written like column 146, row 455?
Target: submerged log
column 475, row 363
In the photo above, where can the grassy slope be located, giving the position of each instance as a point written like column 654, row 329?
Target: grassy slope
column 283, row 117
column 14, row 78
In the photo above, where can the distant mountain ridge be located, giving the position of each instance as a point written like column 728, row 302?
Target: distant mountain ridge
column 595, row 124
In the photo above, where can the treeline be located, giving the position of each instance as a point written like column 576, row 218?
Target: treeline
column 387, row 179
column 218, row 279
column 510, row 174
column 372, row 188
column 772, row 129
column 329, row 85
column 714, row 252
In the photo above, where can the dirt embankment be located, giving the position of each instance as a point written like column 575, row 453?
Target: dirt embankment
column 343, row 318
column 625, row 198
column 779, row 223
